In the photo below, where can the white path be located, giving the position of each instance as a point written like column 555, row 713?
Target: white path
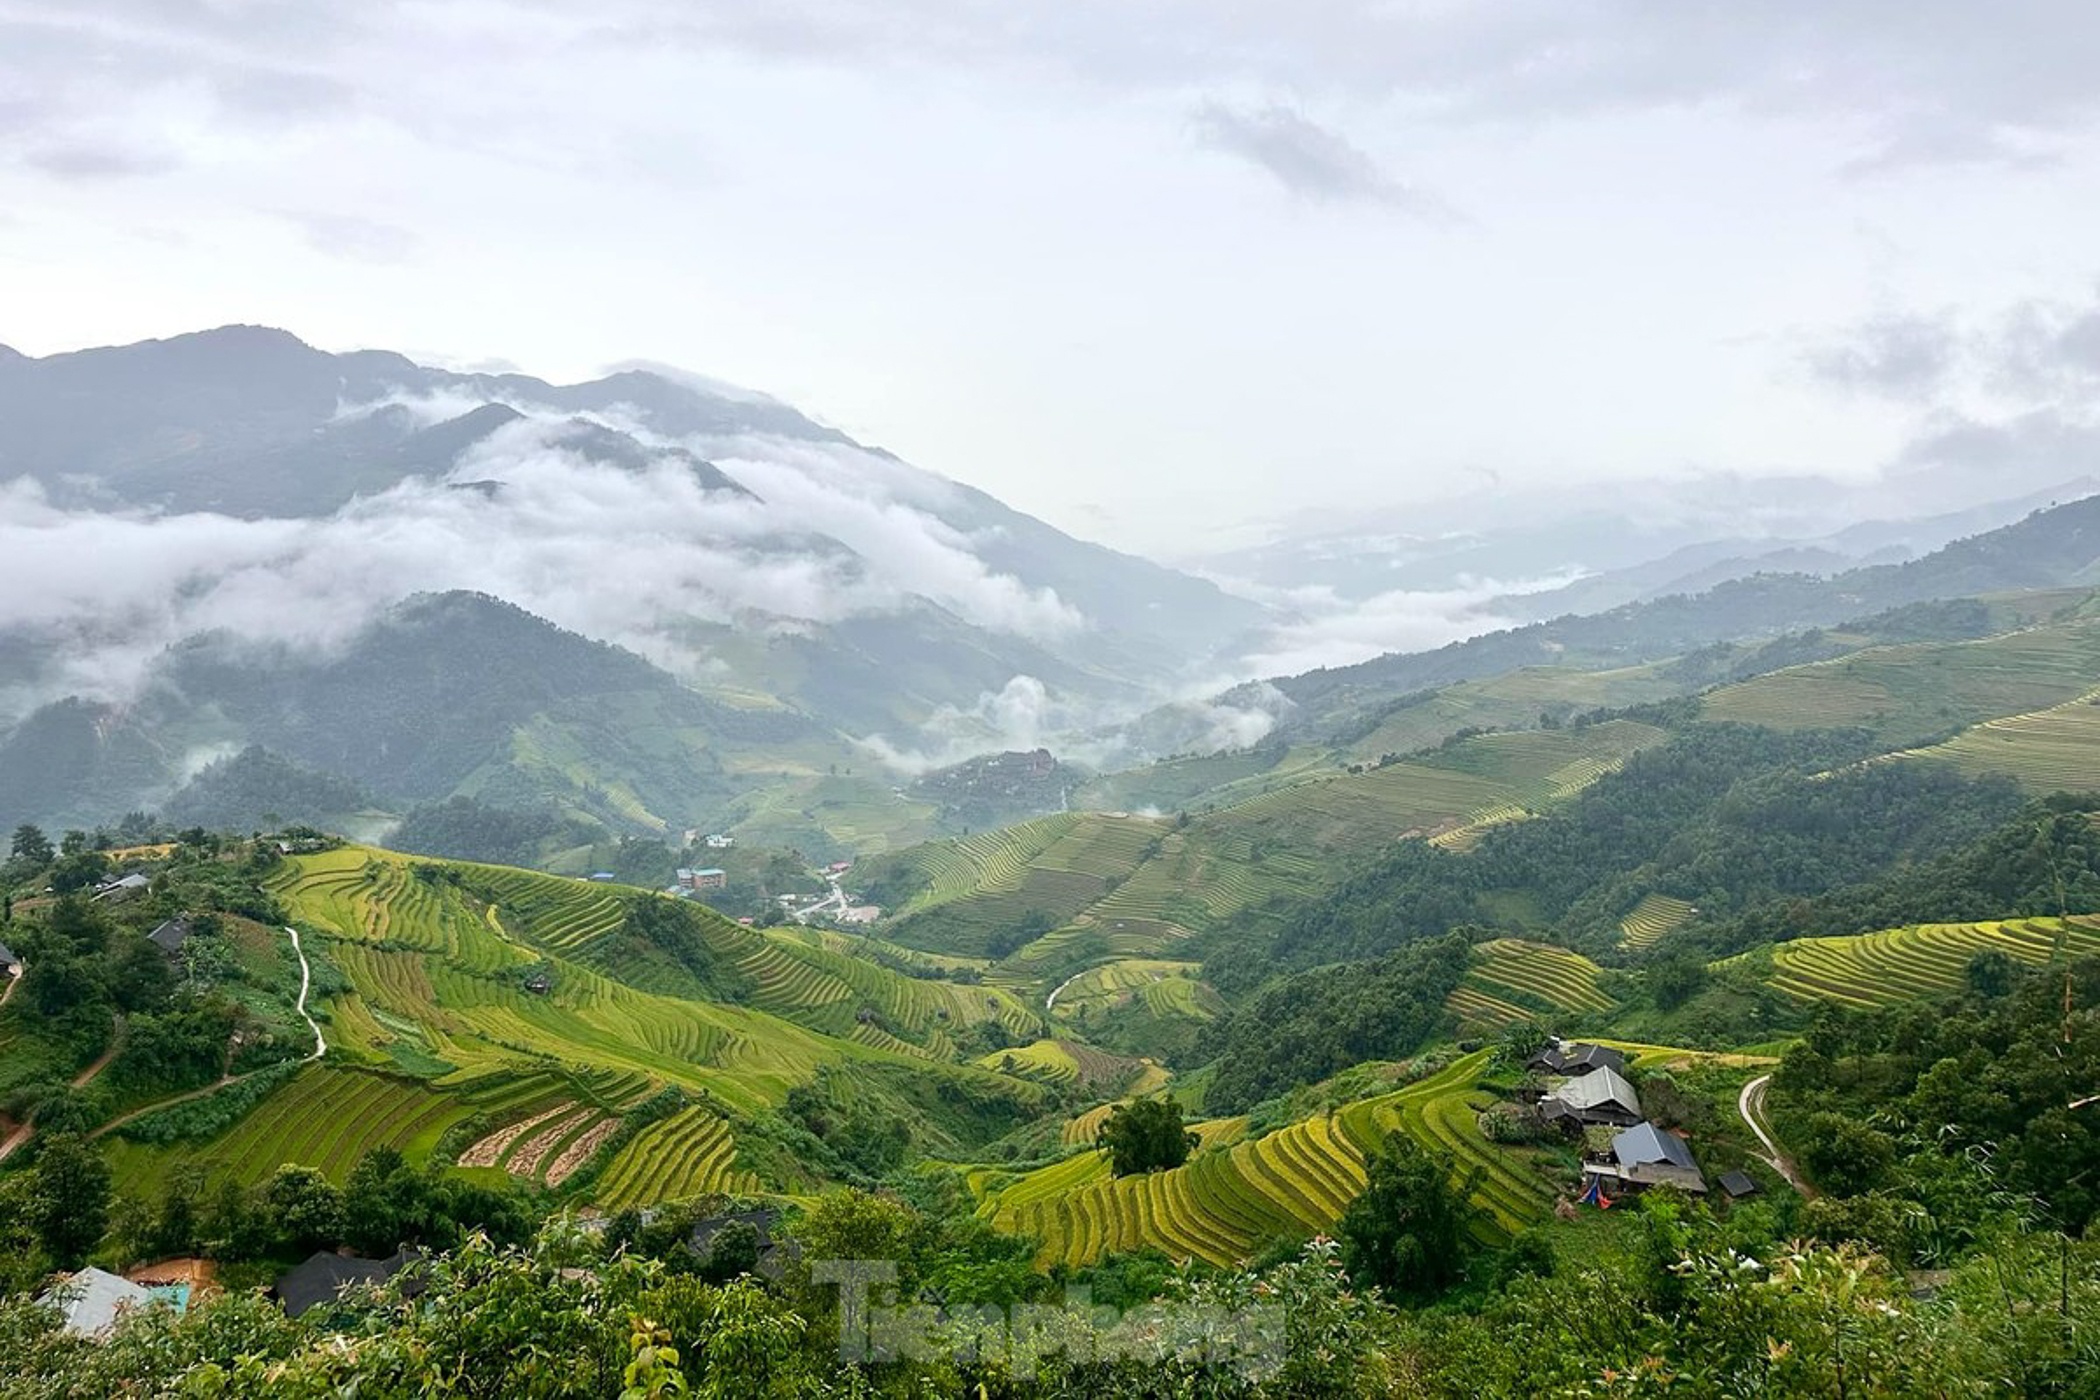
column 306, row 979
column 1752, row 1106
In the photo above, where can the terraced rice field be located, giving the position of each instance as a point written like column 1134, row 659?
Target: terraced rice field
column 1874, row 969
column 1513, row 979
column 2052, row 750
column 1047, row 1060
column 688, row 1154
column 1907, row 692
column 1440, row 1112
column 1652, row 920
column 1165, row 987
column 325, row 1117
column 1540, row 766
column 1230, row 1201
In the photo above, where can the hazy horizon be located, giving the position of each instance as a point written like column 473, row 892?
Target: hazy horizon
column 1161, row 276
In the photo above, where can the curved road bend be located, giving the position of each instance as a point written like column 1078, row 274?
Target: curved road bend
column 1751, row 1104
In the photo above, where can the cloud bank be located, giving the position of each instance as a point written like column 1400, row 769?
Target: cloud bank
column 631, row 555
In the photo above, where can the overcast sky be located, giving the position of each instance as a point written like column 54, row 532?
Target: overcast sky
column 1150, row 270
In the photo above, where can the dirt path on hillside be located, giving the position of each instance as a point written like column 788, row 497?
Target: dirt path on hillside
column 23, row 1134
column 1751, row 1105
column 320, row 1049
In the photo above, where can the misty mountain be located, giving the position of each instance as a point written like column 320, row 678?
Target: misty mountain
column 443, row 695
column 238, row 483
column 2050, row 548
column 1699, row 567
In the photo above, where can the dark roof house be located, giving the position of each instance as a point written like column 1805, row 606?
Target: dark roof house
column 1577, row 1059
column 326, row 1276
column 123, row 887
column 170, row 936
column 773, row 1254
column 1738, row 1184
column 9, row 963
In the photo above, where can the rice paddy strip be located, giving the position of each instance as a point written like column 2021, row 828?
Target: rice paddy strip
column 1927, row 960
column 1653, row 919
column 688, row 1154
column 1560, row 978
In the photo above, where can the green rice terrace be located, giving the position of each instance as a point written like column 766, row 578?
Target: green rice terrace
column 1652, row 920
column 514, row 1022
column 1515, row 980
column 2052, row 750
column 1912, row 692
column 1875, row 969
column 1237, row 1194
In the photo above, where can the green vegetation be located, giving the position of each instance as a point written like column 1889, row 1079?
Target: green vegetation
column 1924, row 960
column 1145, row 1136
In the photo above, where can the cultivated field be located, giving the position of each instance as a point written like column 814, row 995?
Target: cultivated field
column 1907, row 693
column 1513, row 980
column 1235, row 1196
column 1652, row 920
column 2052, row 750
column 688, row 1154
column 1873, row 969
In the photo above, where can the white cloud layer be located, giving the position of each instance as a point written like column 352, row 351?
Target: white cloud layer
column 631, row 556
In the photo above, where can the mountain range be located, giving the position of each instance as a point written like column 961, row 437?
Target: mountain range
column 650, row 602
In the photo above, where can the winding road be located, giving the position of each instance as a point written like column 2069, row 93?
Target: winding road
column 306, row 980
column 1751, row 1105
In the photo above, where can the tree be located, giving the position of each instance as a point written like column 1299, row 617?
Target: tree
column 1146, row 1136
column 70, row 1202
column 305, row 1205
column 31, row 846
column 1844, row 1156
column 1407, row 1233
column 1991, row 973
column 1676, row 981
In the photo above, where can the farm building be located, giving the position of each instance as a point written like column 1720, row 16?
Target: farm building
column 1601, row 1096
column 170, row 935
column 91, row 1301
column 122, row 888
column 1646, row 1155
column 773, row 1254
column 1577, row 1059
column 325, row 1276
column 716, row 841
column 601, row 877
column 1738, row 1185
column 710, row 879
column 10, row 965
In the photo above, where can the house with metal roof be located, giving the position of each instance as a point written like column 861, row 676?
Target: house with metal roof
column 1647, row 1155
column 93, row 1301
column 1601, row 1096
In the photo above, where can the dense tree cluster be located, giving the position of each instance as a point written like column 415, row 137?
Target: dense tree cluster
column 1145, row 1136
column 1729, row 817
column 1304, row 1028
column 1921, row 1117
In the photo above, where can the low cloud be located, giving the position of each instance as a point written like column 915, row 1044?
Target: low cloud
column 1020, row 715
column 1333, row 631
column 1306, row 158
column 633, row 555
column 351, row 238
column 1904, row 357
